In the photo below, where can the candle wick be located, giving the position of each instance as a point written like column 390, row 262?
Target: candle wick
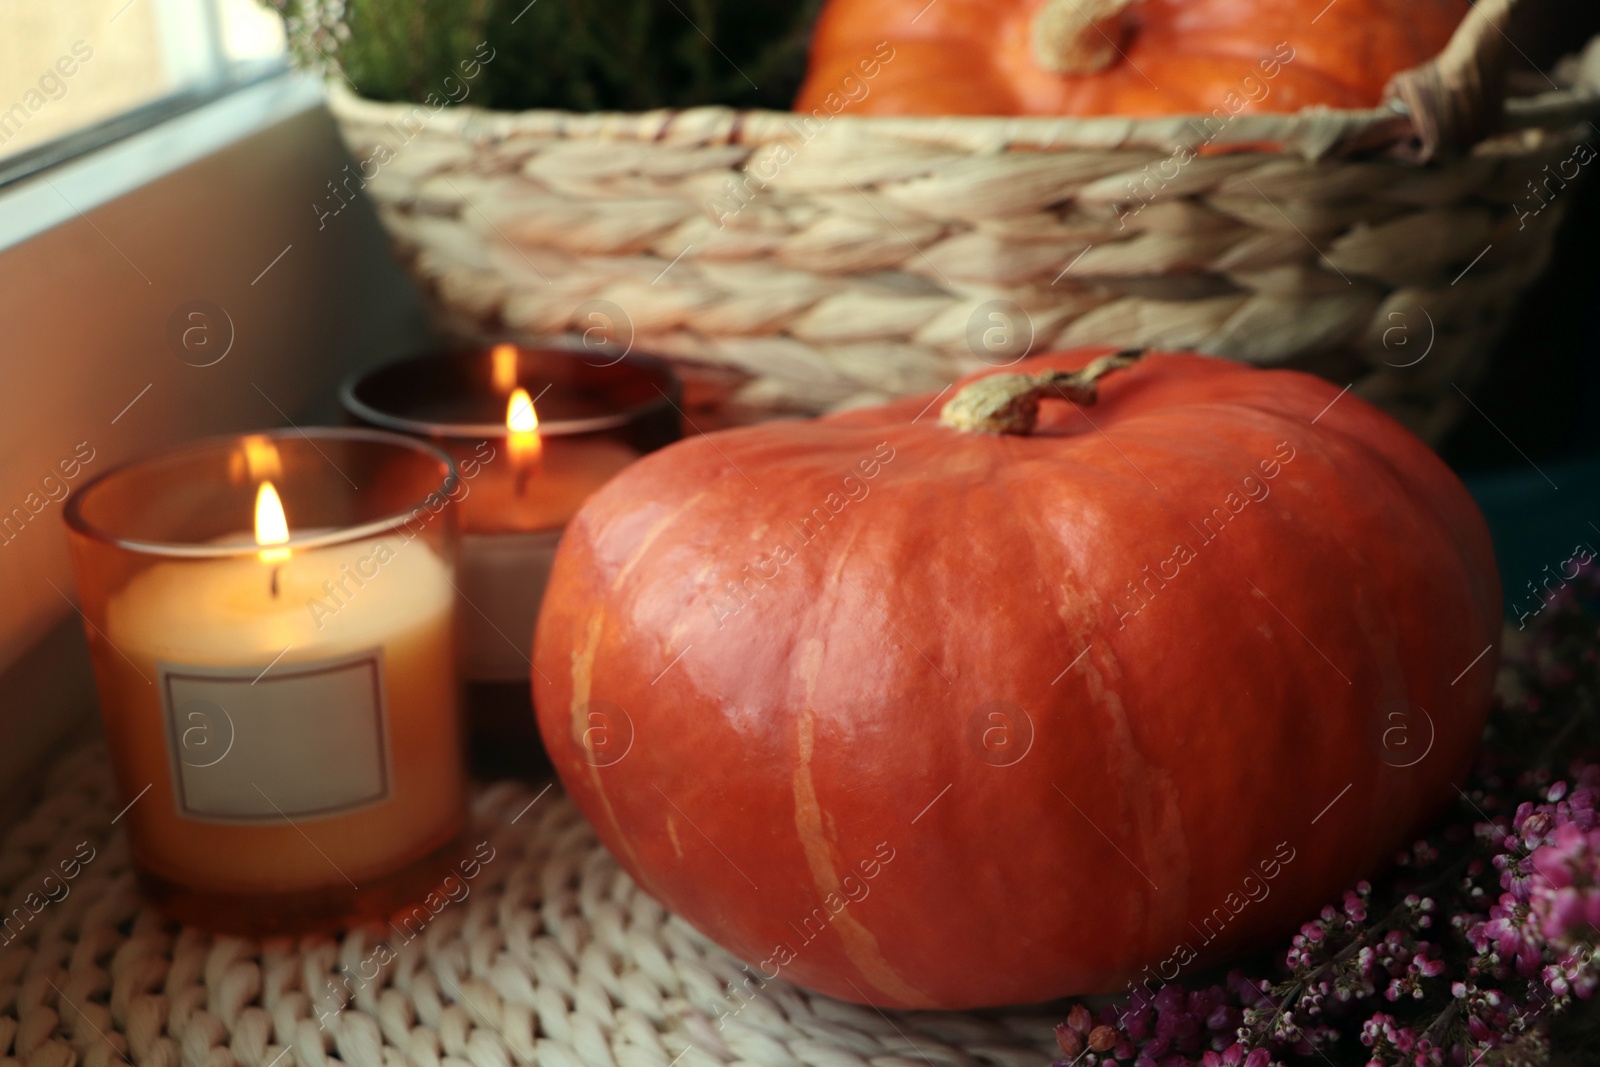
column 521, row 481
column 276, row 570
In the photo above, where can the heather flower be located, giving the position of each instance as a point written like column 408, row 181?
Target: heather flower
column 1564, row 897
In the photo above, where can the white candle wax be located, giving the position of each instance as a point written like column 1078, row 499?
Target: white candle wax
column 512, row 518
column 503, row 577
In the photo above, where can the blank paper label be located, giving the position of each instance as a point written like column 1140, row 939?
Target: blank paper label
column 300, row 740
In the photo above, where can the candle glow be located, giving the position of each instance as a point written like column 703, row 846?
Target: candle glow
column 503, row 364
column 272, row 525
column 522, row 425
column 261, row 459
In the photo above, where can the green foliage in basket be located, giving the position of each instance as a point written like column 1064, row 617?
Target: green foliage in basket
column 580, row 55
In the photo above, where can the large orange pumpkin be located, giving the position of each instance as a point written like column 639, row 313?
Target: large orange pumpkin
column 922, row 715
column 1116, row 57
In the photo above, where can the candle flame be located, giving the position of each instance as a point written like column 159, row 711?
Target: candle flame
column 520, row 416
column 272, row 526
column 503, row 363
column 522, row 422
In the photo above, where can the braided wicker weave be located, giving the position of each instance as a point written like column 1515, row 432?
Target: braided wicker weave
column 552, row 956
column 840, row 260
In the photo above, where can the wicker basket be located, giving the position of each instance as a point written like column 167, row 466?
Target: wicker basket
column 839, row 262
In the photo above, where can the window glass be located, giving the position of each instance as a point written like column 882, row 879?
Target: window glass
column 69, row 64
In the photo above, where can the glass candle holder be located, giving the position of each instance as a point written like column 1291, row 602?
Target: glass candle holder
column 595, row 414
column 272, row 624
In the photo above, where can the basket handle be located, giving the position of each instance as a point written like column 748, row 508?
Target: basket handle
column 1458, row 97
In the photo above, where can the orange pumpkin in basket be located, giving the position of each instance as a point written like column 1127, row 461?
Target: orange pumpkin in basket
column 921, row 715
column 1116, row 57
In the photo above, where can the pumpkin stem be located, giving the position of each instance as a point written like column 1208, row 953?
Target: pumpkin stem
column 1079, row 36
column 1009, row 403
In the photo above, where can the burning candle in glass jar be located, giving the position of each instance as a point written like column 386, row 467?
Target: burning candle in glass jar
column 512, row 517
column 284, row 708
column 529, row 459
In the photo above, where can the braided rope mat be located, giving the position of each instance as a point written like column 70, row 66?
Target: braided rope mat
column 552, row 957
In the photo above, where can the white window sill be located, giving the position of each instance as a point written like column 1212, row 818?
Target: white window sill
column 39, row 202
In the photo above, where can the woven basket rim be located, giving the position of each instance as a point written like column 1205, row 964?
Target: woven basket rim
column 1445, row 106
column 1313, row 132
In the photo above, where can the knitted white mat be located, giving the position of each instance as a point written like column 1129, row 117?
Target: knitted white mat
column 553, row 957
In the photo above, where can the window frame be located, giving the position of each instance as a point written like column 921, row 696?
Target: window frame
column 218, row 76
column 92, row 138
